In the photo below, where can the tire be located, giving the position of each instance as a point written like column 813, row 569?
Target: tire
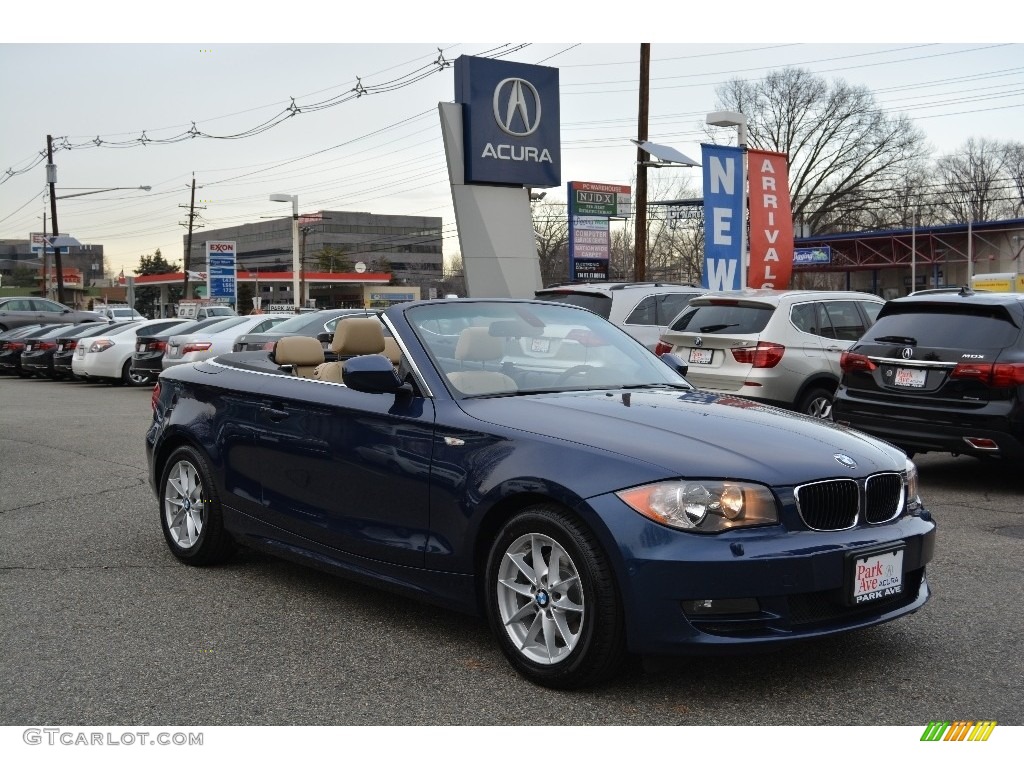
column 132, row 379
column 190, row 511
column 566, row 632
column 817, row 403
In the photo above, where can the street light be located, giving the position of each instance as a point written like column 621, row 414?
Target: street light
column 666, row 157
column 96, row 191
column 738, row 119
column 279, row 197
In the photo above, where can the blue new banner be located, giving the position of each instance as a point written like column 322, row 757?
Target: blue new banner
column 723, row 241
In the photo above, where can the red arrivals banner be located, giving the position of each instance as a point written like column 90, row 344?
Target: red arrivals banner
column 771, row 221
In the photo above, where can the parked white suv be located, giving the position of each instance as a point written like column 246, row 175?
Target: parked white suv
column 778, row 347
column 643, row 310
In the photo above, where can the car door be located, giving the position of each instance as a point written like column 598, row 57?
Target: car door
column 48, row 311
column 344, row 468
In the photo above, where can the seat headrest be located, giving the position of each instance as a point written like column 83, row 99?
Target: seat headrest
column 358, row 336
column 298, row 350
column 477, row 345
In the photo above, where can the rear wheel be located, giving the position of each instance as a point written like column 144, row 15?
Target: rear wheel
column 817, row 403
column 552, row 601
column 190, row 511
column 131, row 378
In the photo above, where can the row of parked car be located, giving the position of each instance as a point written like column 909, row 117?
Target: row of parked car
column 930, row 372
column 134, row 352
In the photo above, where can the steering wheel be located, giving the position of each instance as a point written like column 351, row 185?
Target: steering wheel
column 576, row 370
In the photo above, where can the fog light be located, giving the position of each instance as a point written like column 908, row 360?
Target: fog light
column 720, row 606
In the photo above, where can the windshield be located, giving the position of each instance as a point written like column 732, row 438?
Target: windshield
column 500, row 348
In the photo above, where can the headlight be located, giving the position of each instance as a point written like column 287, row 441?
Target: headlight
column 910, row 481
column 704, row 506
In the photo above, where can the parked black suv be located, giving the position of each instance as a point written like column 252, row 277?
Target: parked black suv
column 941, row 372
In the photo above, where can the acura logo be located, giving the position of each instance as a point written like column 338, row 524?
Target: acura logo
column 908, row 352
column 845, row 460
column 515, row 100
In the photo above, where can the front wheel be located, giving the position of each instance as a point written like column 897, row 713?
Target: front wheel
column 190, row 511
column 817, row 403
column 552, row 601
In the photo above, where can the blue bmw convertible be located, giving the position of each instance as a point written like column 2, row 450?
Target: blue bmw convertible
column 530, row 462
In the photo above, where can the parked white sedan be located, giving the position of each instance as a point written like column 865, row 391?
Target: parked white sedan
column 216, row 339
column 108, row 357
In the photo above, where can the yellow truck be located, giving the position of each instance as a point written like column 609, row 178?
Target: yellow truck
column 1000, row 282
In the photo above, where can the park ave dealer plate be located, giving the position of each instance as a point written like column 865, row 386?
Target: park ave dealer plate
column 910, row 377
column 700, row 356
column 876, row 576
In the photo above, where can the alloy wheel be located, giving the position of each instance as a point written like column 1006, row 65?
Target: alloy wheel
column 540, row 598
column 184, row 506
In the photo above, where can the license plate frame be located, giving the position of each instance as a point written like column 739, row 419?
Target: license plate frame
column 910, row 378
column 875, row 574
column 701, row 356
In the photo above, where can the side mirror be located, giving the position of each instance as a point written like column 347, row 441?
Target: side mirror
column 325, row 338
column 370, row 373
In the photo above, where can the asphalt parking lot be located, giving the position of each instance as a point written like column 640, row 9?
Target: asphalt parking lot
column 101, row 625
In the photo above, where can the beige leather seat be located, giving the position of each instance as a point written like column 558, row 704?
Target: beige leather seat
column 392, row 351
column 352, row 336
column 302, row 353
column 476, row 345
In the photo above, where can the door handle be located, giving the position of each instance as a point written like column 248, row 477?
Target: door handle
column 274, row 414
column 834, row 349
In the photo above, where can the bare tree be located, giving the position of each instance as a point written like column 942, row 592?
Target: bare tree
column 675, row 244
column 972, row 183
column 551, row 228
column 453, row 280
column 844, row 152
column 1013, row 167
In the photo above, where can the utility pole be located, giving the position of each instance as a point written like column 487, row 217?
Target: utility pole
column 51, row 178
column 188, row 242
column 642, row 158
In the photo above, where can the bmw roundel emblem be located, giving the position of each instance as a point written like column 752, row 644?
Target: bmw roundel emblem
column 698, row 342
column 542, row 598
column 845, row 460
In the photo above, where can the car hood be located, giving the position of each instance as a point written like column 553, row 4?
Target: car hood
column 695, row 433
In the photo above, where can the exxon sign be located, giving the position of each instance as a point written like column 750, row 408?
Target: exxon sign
column 510, row 121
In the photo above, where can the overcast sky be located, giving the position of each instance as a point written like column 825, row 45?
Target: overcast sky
column 382, row 152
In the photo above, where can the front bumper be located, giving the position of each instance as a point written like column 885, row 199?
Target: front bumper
column 793, row 584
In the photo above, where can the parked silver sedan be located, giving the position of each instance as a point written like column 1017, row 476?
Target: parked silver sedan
column 16, row 311
column 216, row 339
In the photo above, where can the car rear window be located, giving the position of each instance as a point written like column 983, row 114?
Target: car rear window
column 599, row 304
column 724, row 318
column 969, row 327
